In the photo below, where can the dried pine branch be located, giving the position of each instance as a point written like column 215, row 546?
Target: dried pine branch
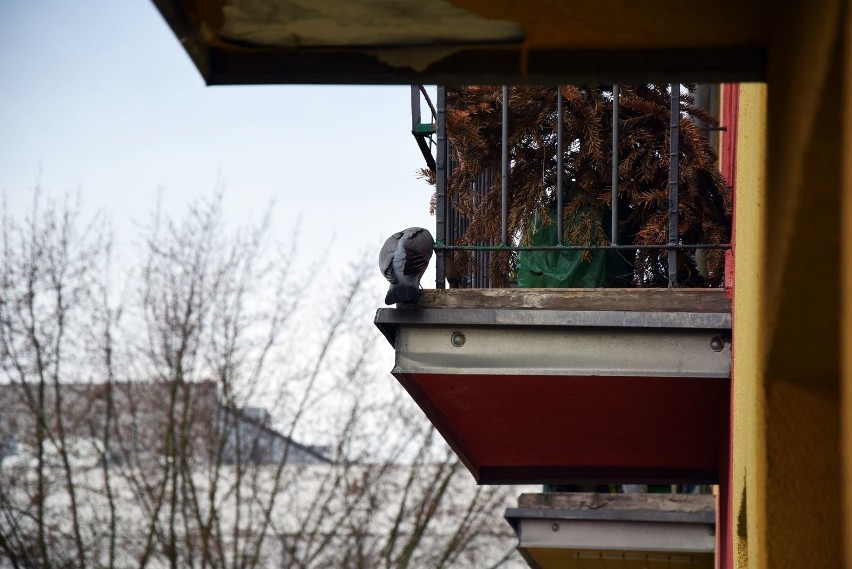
column 474, row 116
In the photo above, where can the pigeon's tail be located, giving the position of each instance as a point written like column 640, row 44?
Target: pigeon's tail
column 402, row 293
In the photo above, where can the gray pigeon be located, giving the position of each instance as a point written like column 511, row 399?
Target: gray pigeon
column 403, row 260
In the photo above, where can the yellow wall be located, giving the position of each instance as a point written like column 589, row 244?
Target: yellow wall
column 800, row 507
column 788, row 326
column 749, row 215
column 846, row 284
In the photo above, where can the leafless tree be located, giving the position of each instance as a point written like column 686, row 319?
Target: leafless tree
column 130, row 414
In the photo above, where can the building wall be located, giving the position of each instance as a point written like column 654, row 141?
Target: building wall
column 321, row 516
column 846, row 284
column 787, row 472
column 799, row 440
column 749, row 218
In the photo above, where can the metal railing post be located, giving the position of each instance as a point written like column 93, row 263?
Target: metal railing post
column 415, row 107
column 441, row 186
column 613, row 233
column 559, row 165
column 504, row 180
column 674, row 176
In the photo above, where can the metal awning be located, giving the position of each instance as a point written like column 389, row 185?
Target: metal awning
column 467, row 41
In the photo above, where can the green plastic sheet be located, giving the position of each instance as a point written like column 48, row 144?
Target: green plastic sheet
column 558, row 269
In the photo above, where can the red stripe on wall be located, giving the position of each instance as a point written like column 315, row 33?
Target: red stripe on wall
column 728, row 166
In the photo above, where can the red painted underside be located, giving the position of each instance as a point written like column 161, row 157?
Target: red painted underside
column 568, row 429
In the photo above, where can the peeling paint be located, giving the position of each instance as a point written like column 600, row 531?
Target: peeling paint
column 366, row 23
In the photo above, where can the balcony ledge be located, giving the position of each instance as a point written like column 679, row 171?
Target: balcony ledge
column 555, row 386
column 617, row 530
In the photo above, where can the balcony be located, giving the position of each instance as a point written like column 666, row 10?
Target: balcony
column 623, row 531
column 547, row 385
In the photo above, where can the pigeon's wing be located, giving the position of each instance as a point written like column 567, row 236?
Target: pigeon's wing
column 418, row 251
column 386, row 256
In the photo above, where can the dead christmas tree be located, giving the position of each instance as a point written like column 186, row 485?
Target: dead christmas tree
column 474, row 117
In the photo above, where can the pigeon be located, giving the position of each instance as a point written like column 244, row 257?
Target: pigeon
column 403, row 260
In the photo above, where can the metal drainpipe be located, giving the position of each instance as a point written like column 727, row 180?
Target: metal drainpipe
column 674, row 175
column 441, row 185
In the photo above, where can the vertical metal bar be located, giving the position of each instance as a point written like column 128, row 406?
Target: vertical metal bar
column 415, row 107
column 504, row 180
column 486, row 182
column 674, row 176
column 450, row 226
column 613, row 232
column 559, row 164
column 440, row 185
column 706, row 97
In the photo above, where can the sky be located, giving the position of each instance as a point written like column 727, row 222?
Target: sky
column 99, row 96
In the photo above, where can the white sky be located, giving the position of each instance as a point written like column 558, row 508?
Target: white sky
column 99, row 95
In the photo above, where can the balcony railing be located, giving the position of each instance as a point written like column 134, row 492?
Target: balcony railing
column 561, row 385
column 451, row 223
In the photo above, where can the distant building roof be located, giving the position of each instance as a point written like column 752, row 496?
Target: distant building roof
column 140, row 413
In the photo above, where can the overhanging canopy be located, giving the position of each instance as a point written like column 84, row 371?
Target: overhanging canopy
column 468, row 41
